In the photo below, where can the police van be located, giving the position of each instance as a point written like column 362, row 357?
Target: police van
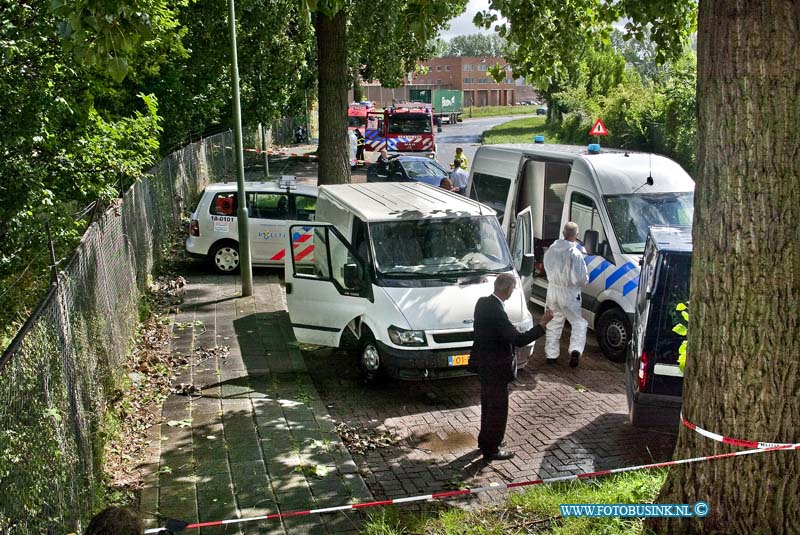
column 397, row 271
column 214, row 230
column 613, row 195
column 653, row 378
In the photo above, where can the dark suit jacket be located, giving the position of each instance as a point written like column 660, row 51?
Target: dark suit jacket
column 493, row 355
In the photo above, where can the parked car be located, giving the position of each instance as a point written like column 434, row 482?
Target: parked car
column 541, row 110
column 408, row 169
column 214, row 231
column 653, row 379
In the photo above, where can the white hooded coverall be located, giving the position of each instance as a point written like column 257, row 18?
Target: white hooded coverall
column 566, row 274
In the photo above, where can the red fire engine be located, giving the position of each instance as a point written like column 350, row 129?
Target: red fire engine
column 403, row 128
column 357, row 115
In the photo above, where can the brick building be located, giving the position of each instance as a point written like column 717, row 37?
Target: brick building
column 470, row 74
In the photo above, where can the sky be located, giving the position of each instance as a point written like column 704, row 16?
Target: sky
column 463, row 25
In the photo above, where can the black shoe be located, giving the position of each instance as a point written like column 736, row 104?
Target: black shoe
column 552, row 361
column 573, row 359
column 499, row 455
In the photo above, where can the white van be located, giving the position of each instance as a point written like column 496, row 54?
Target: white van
column 613, row 195
column 398, row 268
column 214, row 230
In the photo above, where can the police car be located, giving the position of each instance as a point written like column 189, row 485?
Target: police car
column 214, row 231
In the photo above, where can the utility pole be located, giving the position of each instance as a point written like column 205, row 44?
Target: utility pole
column 264, row 149
column 245, row 267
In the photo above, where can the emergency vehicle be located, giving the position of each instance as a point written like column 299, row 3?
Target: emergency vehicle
column 214, row 228
column 396, row 278
column 653, row 378
column 614, row 196
column 357, row 115
column 403, row 128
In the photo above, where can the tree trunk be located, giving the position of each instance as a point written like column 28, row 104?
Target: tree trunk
column 742, row 374
column 334, row 165
column 358, row 91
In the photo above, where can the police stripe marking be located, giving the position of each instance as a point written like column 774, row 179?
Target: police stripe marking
column 596, row 272
column 304, row 253
column 630, row 286
column 614, row 277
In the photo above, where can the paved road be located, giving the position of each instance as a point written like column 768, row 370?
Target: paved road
column 562, row 421
column 466, row 135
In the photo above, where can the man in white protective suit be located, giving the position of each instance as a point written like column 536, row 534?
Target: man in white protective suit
column 566, row 274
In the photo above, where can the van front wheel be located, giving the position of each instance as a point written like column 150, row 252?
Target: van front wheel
column 613, row 333
column 370, row 362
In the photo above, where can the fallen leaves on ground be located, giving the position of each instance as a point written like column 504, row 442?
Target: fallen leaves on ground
column 361, row 440
column 147, row 380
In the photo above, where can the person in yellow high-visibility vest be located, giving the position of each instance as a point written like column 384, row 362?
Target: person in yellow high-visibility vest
column 463, row 157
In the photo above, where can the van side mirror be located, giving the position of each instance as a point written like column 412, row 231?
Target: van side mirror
column 526, row 269
column 590, row 241
column 352, row 276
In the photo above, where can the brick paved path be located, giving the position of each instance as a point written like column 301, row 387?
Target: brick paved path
column 554, row 427
column 239, row 450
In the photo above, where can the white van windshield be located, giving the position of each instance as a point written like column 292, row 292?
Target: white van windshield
column 439, row 247
column 632, row 215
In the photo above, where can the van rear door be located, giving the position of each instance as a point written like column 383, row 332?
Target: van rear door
column 324, row 294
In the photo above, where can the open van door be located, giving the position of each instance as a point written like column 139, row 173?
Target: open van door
column 521, row 245
column 327, row 283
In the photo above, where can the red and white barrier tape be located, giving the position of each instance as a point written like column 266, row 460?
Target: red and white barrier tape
column 271, row 152
column 478, row 490
column 735, row 441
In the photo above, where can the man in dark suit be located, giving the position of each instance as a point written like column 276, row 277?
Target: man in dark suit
column 493, row 356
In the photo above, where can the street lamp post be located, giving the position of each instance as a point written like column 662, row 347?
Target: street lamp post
column 245, row 266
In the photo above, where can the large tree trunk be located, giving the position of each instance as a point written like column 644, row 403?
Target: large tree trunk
column 334, row 165
column 742, row 374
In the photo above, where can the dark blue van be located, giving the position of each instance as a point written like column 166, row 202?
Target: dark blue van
column 653, row 380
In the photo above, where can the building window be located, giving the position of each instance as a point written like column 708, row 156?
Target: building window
column 447, row 67
column 438, row 67
column 482, row 67
column 438, row 82
column 467, row 67
column 467, row 80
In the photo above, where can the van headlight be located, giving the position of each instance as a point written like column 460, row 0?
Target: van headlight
column 526, row 324
column 404, row 337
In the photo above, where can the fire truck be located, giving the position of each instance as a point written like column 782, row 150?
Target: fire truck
column 357, row 115
column 402, row 128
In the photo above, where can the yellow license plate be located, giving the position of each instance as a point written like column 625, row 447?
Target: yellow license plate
column 458, row 360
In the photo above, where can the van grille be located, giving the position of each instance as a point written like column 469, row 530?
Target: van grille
column 451, row 338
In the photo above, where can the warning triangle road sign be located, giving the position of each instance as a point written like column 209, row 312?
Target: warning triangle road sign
column 599, row 129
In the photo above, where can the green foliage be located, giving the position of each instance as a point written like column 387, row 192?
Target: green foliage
column 477, row 44
column 521, row 131
column 520, row 510
column 548, row 38
column 682, row 330
column 276, row 66
column 111, row 35
column 386, row 38
column 494, row 111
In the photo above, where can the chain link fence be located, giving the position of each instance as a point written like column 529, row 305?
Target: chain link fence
column 67, row 360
